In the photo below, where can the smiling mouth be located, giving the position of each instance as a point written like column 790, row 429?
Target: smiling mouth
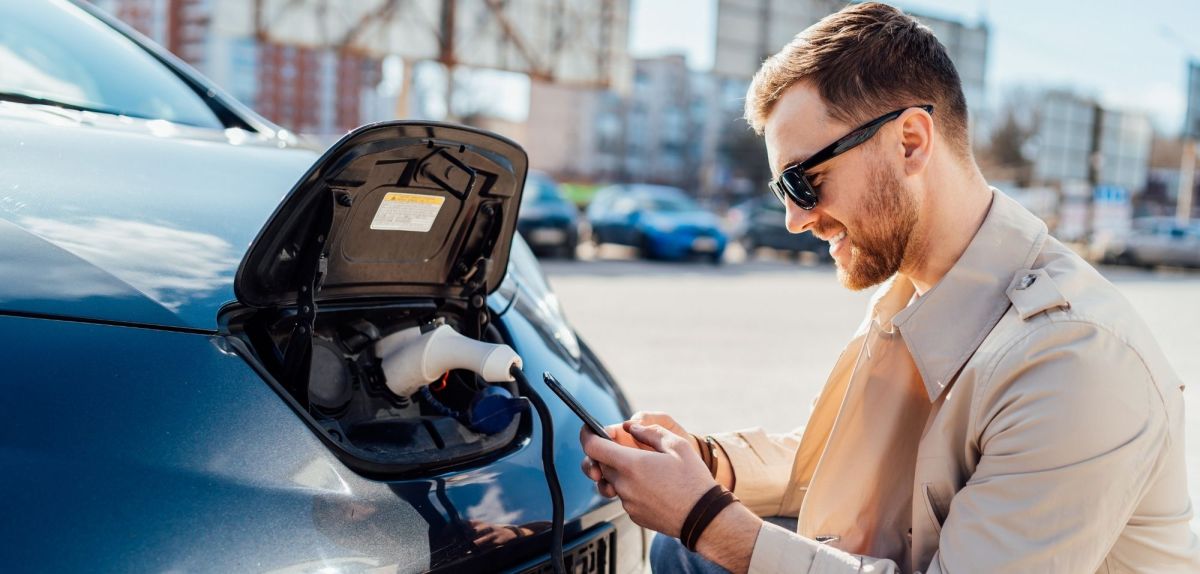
column 837, row 238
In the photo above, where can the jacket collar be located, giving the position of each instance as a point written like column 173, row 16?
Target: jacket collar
column 943, row 328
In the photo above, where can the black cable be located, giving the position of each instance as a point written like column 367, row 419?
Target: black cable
column 556, row 496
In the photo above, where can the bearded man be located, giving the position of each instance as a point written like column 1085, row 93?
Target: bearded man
column 1001, row 409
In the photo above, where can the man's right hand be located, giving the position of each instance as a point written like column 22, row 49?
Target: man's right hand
column 620, row 434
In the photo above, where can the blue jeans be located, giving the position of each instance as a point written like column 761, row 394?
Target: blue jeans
column 668, row 556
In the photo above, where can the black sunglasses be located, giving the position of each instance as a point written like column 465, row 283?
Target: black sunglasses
column 793, row 181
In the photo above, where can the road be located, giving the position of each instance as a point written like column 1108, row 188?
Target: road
column 750, row 343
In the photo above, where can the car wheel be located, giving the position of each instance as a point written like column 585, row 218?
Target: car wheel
column 1127, row 258
column 716, row 258
column 645, row 247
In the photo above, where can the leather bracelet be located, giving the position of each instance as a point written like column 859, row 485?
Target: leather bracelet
column 703, row 513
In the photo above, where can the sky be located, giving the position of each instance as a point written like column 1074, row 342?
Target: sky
column 1131, row 54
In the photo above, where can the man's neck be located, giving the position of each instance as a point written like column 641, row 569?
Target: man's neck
column 953, row 212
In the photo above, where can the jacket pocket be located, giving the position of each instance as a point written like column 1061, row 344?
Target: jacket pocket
column 935, row 506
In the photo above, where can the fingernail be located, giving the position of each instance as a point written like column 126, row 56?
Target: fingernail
column 636, row 427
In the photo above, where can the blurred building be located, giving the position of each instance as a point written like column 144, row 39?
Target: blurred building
column 662, row 131
column 321, row 66
column 1098, row 159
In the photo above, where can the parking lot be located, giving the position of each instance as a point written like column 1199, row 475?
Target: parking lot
column 750, row 343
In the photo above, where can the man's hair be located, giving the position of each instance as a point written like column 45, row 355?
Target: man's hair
column 865, row 61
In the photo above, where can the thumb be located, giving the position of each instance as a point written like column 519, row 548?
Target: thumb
column 655, row 436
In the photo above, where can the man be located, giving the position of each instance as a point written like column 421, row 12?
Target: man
column 1001, row 409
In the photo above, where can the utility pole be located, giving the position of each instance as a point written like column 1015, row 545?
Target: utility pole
column 1187, row 178
column 446, row 54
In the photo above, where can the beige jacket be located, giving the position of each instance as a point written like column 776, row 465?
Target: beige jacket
column 1019, row 417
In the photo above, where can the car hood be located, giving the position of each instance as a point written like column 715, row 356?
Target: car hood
column 409, row 209
column 135, row 226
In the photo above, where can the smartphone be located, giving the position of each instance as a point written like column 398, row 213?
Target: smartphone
column 566, row 397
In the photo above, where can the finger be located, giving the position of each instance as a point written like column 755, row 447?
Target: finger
column 606, row 489
column 607, row 452
column 655, row 436
column 591, row 470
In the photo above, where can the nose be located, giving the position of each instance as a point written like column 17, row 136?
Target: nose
column 798, row 220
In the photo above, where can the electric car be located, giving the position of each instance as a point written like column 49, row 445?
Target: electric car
column 661, row 222
column 208, row 335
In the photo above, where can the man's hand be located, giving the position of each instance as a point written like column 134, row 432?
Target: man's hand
column 656, row 472
column 620, row 433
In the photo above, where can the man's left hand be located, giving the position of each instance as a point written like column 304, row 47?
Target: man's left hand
column 657, row 487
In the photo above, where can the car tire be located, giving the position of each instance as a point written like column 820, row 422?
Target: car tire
column 645, row 247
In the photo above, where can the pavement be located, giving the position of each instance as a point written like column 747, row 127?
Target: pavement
column 750, row 343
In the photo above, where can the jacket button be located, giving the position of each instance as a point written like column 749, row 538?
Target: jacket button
column 1026, row 281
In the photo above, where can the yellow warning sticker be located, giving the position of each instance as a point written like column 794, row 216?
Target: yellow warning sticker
column 407, row 212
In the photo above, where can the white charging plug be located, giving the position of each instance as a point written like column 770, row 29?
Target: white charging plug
column 412, row 359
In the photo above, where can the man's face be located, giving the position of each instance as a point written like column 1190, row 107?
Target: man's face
column 865, row 210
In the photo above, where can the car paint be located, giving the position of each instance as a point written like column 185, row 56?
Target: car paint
column 141, row 438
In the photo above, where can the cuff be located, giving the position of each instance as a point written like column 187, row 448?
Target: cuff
column 781, row 550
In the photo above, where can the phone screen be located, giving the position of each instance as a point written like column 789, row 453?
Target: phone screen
column 566, row 397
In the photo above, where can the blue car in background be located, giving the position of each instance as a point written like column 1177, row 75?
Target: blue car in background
column 660, row 222
column 548, row 221
column 202, row 368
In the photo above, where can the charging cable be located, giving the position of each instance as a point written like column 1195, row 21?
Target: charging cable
column 556, row 496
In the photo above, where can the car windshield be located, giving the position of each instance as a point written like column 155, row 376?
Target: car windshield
column 55, row 53
column 540, row 190
column 671, row 204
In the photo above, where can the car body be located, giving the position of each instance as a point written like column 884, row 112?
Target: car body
column 149, row 304
column 760, row 222
column 661, row 222
column 547, row 220
column 1154, row 241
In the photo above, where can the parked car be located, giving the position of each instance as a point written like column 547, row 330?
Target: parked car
column 1155, row 241
column 661, row 222
column 547, row 220
column 760, row 222
column 195, row 376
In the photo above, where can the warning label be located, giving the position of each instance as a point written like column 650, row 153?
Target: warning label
column 407, row 212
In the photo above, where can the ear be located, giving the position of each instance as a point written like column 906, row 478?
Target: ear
column 917, row 138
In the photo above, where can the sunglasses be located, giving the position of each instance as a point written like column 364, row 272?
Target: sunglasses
column 793, row 182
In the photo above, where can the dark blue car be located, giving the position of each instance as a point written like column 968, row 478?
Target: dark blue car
column 660, row 222
column 548, row 222
column 201, row 367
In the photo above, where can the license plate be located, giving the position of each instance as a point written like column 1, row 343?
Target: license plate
column 704, row 244
column 544, row 236
column 595, row 554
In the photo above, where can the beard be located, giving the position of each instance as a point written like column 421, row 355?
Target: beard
column 882, row 242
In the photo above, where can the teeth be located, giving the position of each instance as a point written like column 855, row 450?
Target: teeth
column 837, row 238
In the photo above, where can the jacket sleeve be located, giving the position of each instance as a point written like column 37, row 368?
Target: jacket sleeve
column 1070, row 429
column 762, row 466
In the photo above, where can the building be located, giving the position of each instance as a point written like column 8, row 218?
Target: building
column 1098, row 159
column 664, row 130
